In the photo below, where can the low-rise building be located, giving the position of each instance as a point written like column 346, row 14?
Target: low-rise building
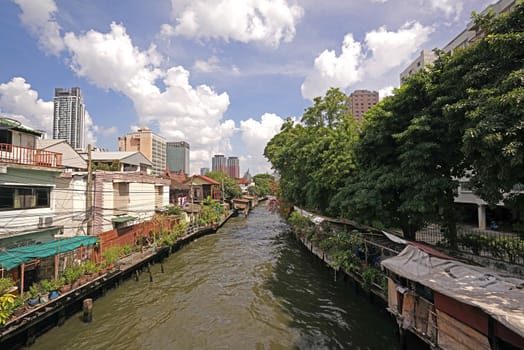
column 27, row 186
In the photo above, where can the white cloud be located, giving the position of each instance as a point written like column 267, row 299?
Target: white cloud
column 268, row 21
column 391, row 49
column 208, row 66
column 111, row 61
column 21, row 102
column 449, row 7
column 37, row 16
column 332, row 71
column 255, row 135
column 380, row 52
column 179, row 110
column 385, row 91
column 18, row 99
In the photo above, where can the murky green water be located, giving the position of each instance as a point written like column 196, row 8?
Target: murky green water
column 250, row 286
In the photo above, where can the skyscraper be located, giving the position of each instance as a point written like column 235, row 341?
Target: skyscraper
column 233, row 167
column 218, row 163
column 177, row 156
column 69, row 116
column 360, row 101
column 151, row 145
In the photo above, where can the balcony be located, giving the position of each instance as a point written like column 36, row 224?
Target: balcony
column 29, row 156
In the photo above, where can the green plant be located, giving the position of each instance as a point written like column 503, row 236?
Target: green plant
column 34, row 291
column 46, row 286
column 6, row 283
column 57, row 283
column 7, row 303
column 126, row 250
column 174, row 210
column 111, row 255
column 71, row 274
column 90, row 267
column 371, row 276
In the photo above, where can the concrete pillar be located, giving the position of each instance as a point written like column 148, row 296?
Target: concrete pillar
column 482, row 216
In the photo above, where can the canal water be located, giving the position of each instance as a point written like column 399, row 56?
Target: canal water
column 249, row 286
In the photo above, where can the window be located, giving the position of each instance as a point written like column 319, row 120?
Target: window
column 5, row 136
column 18, row 197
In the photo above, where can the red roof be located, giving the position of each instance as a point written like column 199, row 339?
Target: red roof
column 243, row 181
column 178, row 177
column 204, row 178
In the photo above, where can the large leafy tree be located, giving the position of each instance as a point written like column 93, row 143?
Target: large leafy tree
column 314, row 156
column 231, row 189
column 264, row 184
column 380, row 191
column 490, row 75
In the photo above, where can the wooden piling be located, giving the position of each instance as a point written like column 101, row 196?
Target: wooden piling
column 87, row 308
column 162, row 268
column 150, row 276
column 136, row 275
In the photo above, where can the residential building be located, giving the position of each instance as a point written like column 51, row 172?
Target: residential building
column 69, row 116
column 153, row 146
column 360, row 101
column 125, row 198
column 244, row 184
column 204, row 171
column 177, row 156
column 233, row 167
column 463, row 39
column 72, row 160
column 425, row 58
column 219, row 163
column 27, row 186
column 470, row 34
column 178, row 190
column 202, row 187
column 121, row 161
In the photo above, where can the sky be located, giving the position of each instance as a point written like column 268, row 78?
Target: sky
column 222, row 75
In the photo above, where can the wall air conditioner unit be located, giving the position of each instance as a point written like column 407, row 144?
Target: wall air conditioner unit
column 45, row 221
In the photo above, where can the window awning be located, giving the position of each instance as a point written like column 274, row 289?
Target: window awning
column 122, row 219
column 10, row 258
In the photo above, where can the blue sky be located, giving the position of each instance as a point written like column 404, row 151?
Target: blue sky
column 219, row 74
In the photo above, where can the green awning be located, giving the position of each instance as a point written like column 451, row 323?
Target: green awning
column 10, row 258
column 122, row 219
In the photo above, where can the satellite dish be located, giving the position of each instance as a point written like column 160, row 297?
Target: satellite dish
column 8, row 123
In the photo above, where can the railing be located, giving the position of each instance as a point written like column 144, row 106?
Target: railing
column 497, row 245
column 29, row 156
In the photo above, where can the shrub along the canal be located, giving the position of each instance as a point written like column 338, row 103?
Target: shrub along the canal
column 342, row 249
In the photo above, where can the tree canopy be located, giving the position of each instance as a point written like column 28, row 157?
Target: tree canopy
column 460, row 119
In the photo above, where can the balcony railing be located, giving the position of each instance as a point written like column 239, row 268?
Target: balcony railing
column 29, row 156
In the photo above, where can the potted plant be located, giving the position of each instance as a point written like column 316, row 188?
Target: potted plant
column 34, row 295
column 91, row 269
column 55, row 285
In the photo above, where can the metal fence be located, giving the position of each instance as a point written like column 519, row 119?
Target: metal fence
column 498, row 245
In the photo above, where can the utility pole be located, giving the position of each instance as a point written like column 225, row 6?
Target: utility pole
column 89, row 193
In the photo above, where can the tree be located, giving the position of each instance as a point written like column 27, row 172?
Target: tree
column 492, row 104
column 231, row 189
column 264, row 183
column 314, row 157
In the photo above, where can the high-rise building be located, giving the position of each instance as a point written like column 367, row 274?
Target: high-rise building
column 204, row 171
column 360, row 101
column 426, row 57
column 469, row 35
column 177, row 157
column 69, row 116
column 151, row 145
column 233, row 167
column 218, row 163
